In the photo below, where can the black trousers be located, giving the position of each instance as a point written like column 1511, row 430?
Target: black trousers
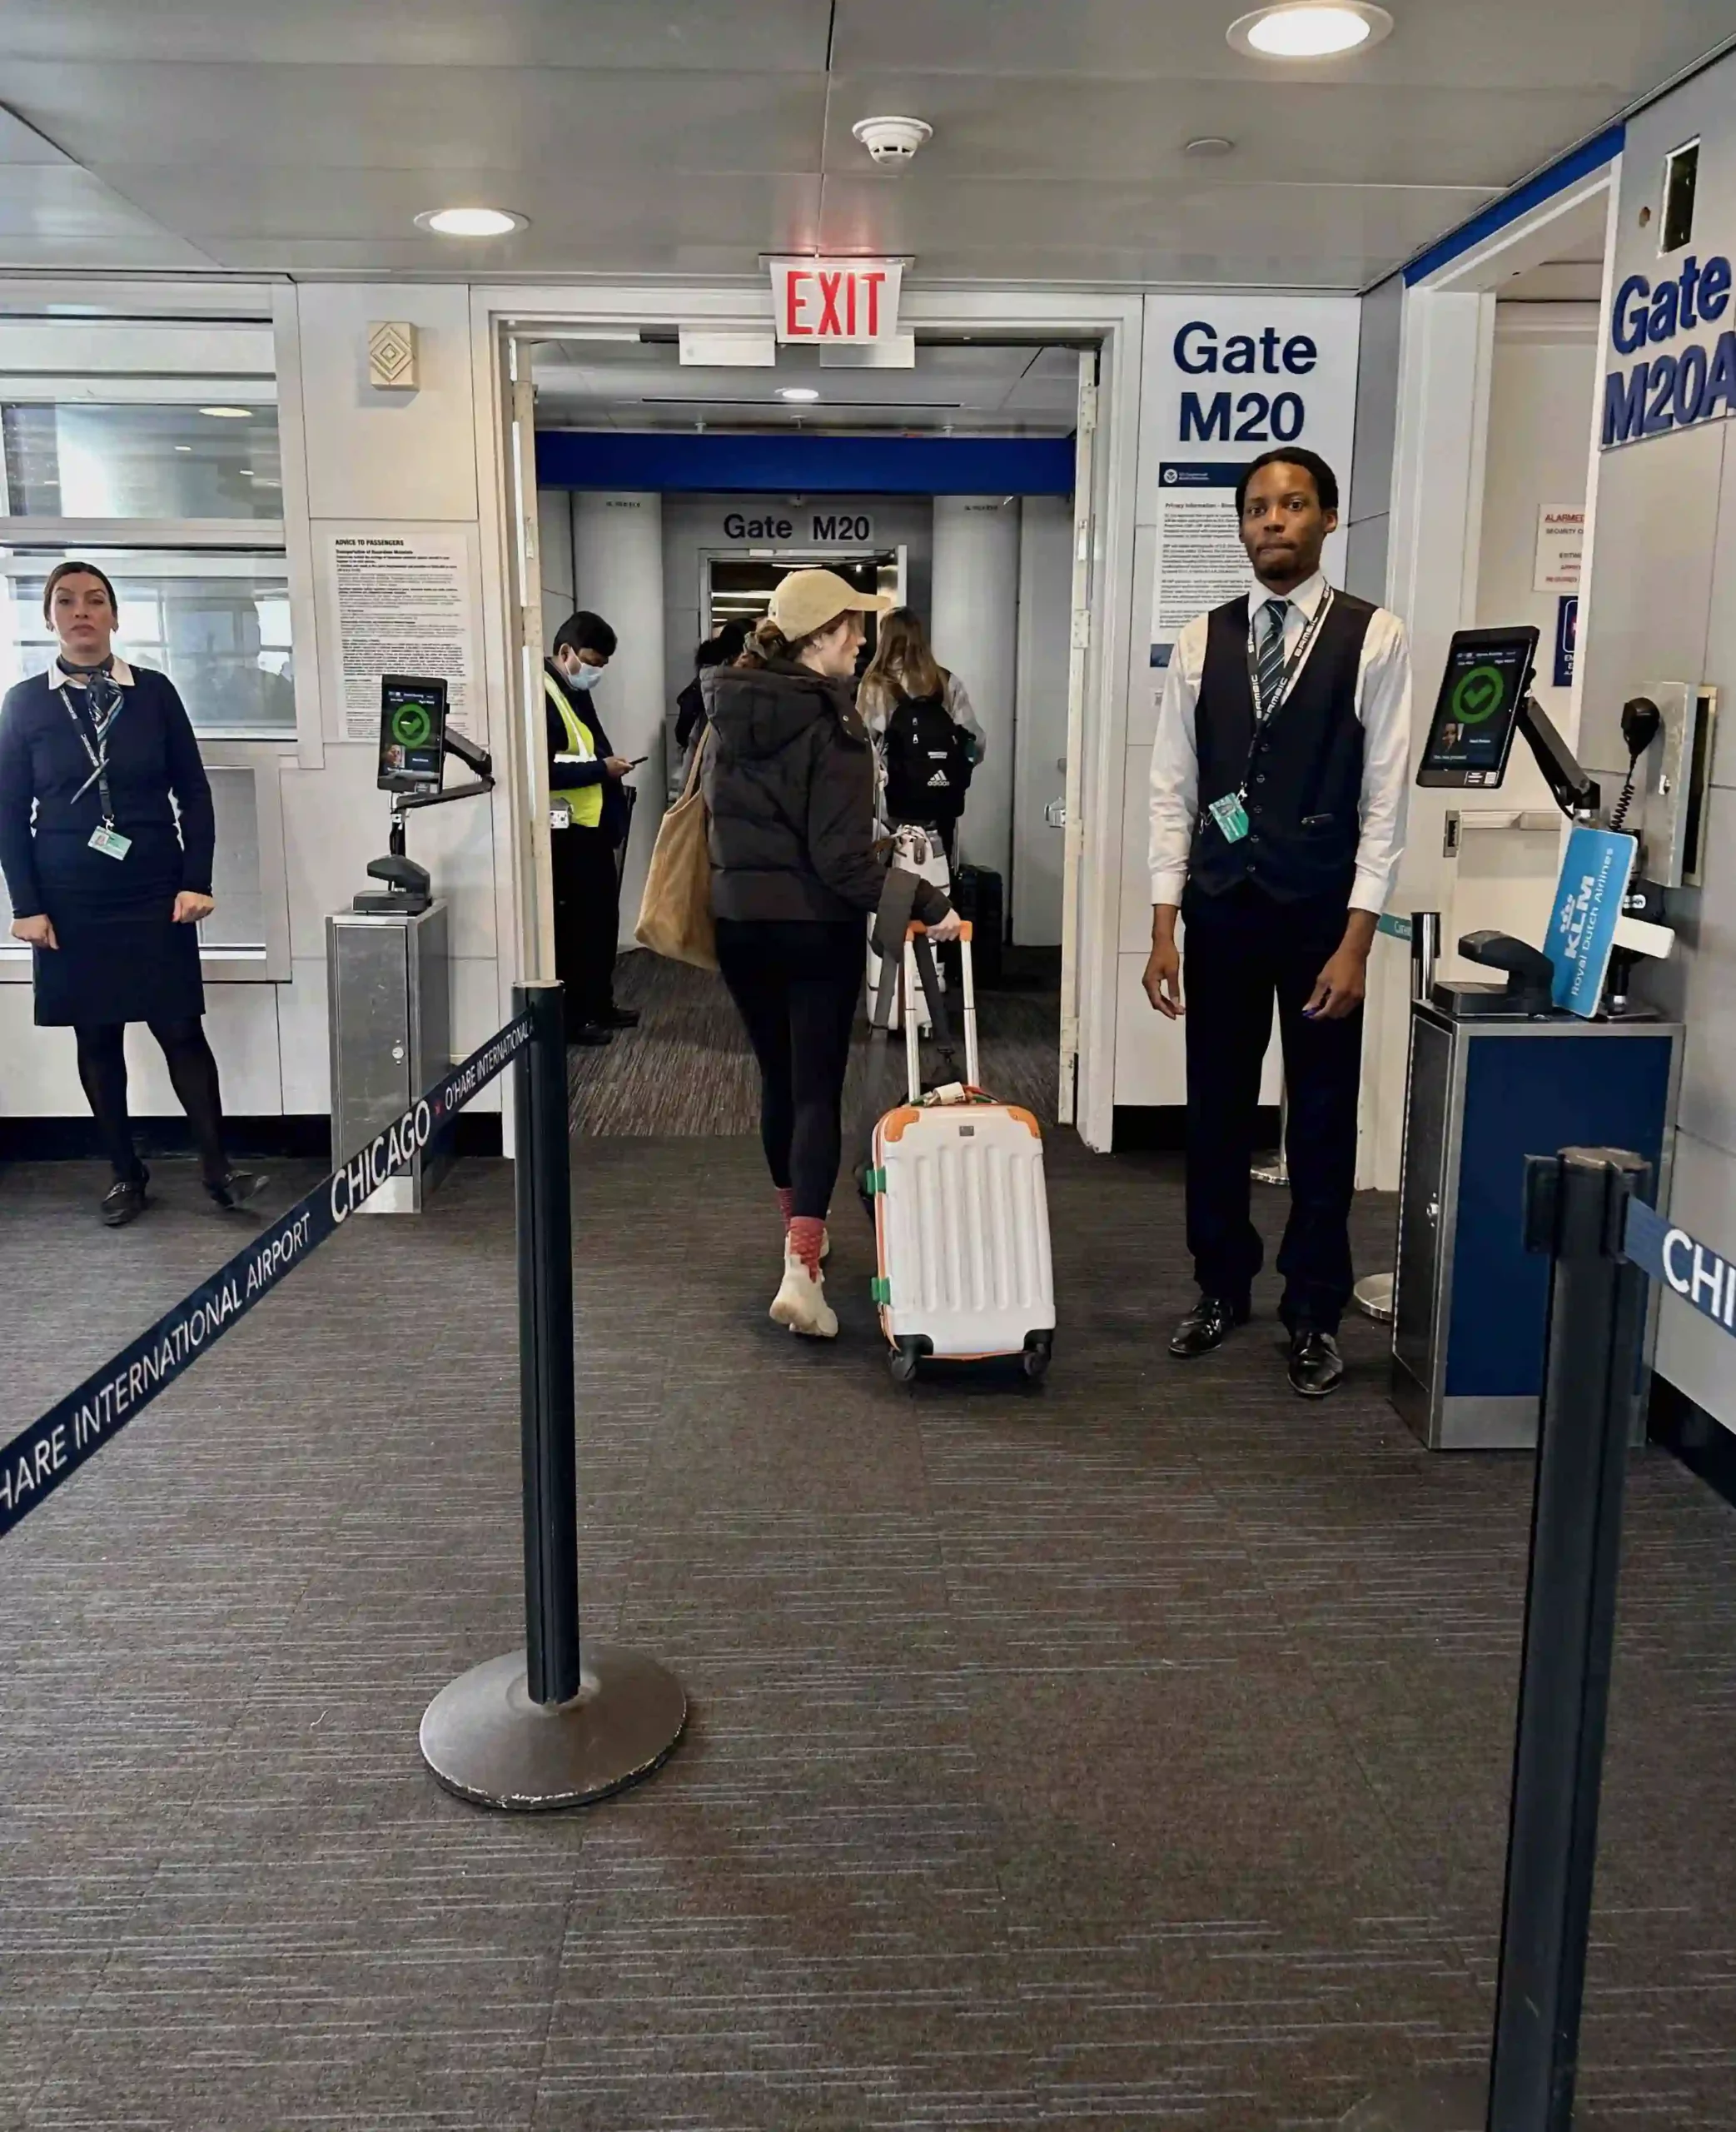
column 587, row 921
column 1243, row 951
column 192, row 1074
column 797, row 984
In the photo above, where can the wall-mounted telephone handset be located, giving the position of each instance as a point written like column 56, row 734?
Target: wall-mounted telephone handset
column 1641, row 722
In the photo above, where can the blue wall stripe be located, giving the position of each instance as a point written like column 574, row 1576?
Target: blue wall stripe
column 777, row 463
column 1591, row 155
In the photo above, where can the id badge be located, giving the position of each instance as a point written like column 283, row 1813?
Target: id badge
column 109, row 841
column 1231, row 816
column 560, row 814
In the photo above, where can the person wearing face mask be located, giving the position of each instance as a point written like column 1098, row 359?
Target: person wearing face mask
column 789, row 779
column 588, row 824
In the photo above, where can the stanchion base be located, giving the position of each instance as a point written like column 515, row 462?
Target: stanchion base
column 1372, row 1296
column 1451, row 2102
column 484, row 1739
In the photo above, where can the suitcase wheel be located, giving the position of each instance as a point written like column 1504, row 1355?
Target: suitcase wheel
column 1035, row 1359
column 905, row 1358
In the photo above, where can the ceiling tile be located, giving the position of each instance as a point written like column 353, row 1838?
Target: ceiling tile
column 20, row 143
column 449, row 120
column 763, row 35
column 1606, row 44
column 55, row 214
column 1123, row 131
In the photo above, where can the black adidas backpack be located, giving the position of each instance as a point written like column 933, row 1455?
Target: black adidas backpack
column 928, row 758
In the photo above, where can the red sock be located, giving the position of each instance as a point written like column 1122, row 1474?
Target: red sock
column 786, row 1202
column 806, row 1236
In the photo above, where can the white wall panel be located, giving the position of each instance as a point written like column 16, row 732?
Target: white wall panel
column 1144, row 681
column 618, row 573
column 555, row 558
column 974, row 630
column 304, row 1038
column 1045, row 613
column 374, row 453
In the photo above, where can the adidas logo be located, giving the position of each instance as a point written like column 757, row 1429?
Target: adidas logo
column 940, row 777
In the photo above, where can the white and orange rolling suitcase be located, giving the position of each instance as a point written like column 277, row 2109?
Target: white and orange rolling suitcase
column 961, row 1215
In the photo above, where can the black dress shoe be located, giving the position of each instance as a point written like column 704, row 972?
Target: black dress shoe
column 1206, row 1326
column 620, row 1018
column 591, row 1035
column 237, row 1187
column 1316, row 1366
column 125, row 1200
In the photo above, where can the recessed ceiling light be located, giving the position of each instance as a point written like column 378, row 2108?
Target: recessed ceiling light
column 1208, row 144
column 183, row 447
column 1309, row 29
column 797, row 392
column 471, row 221
column 227, row 414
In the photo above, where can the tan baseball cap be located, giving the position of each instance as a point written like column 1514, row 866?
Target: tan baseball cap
column 807, row 599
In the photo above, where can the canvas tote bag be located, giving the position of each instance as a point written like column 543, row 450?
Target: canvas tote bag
column 675, row 912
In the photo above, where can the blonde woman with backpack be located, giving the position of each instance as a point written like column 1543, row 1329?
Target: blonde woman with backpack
column 928, row 735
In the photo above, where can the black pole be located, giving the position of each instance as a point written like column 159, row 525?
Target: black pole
column 1576, row 1209
column 545, row 1349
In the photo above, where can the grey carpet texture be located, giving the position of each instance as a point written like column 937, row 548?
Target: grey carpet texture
column 698, row 1075
column 1130, row 1753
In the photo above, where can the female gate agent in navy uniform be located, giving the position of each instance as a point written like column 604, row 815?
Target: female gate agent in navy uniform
column 1278, row 791
column 789, row 783
column 105, row 886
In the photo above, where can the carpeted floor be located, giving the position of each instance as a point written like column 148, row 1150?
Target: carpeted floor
column 1130, row 1755
column 687, row 1069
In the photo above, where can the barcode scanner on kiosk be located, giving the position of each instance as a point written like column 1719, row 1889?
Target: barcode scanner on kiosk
column 1484, row 701
column 414, row 742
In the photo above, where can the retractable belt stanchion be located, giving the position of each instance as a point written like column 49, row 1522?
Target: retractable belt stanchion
column 557, row 1724
column 1577, row 1208
column 1374, row 1293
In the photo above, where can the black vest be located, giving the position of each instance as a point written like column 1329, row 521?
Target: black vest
column 1303, row 767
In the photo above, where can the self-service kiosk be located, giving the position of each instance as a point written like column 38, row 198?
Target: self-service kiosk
column 387, row 956
column 1552, row 1050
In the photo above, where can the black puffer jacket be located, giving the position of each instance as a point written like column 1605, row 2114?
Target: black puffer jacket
column 789, row 783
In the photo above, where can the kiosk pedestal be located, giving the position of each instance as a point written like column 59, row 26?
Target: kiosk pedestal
column 390, row 1036
column 1472, row 1304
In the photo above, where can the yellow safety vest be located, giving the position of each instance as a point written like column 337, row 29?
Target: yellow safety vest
column 586, row 801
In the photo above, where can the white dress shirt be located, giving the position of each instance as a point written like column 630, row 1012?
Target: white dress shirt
column 1383, row 704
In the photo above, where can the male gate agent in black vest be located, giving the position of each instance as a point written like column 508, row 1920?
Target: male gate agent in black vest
column 1278, row 789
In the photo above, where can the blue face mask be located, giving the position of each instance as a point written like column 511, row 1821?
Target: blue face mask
column 585, row 677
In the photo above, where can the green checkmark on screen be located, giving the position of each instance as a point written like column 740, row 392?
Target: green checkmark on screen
column 1477, row 694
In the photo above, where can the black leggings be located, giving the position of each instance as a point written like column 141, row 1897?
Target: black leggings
column 797, row 984
column 103, row 1070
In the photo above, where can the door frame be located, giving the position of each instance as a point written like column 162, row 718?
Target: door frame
column 505, row 315
column 1446, row 357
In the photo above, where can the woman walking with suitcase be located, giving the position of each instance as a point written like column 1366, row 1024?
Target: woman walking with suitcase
column 788, row 779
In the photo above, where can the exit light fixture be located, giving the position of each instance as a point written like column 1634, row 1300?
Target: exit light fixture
column 472, row 222
column 1309, row 29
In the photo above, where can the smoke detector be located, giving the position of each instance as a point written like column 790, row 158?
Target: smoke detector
column 893, row 140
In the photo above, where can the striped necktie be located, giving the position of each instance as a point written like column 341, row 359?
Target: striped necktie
column 1271, row 657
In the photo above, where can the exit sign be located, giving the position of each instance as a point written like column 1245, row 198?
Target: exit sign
column 835, row 301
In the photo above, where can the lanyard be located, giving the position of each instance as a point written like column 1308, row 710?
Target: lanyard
column 1292, row 666
column 96, row 752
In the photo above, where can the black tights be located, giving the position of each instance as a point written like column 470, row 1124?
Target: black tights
column 103, row 1070
column 797, row 984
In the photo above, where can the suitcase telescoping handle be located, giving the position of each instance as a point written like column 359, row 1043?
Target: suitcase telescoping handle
column 937, row 1005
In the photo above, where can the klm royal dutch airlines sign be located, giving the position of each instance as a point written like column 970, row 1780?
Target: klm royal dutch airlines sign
column 1672, row 346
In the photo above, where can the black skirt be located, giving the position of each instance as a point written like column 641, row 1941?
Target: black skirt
column 122, row 958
